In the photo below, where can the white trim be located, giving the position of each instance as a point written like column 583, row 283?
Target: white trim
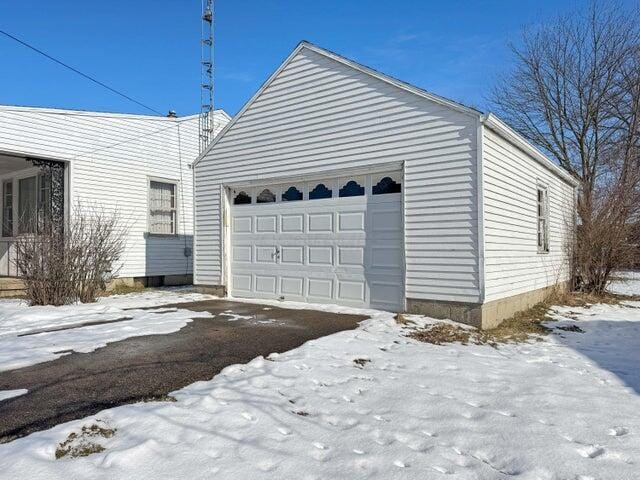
column 89, row 113
column 506, row 132
column 543, row 187
column 480, row 200
column 335, row 173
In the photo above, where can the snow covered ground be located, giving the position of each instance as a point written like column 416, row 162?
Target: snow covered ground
column 626, row 283
column 372, row 403
column 24, row 339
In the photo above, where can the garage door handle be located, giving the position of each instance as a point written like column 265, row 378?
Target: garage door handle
column 276, row 254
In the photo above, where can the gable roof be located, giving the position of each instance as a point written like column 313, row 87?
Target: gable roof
column 345, row 61
column 486, row 119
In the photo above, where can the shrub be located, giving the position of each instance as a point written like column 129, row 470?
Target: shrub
column 63, row 264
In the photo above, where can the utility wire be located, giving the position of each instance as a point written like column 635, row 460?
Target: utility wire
column 88, row 77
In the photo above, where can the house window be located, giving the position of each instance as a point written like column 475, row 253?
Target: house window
column 163, row 212
column 44, row 199
column 543, row 220
column 7, row 208
column 27, row 204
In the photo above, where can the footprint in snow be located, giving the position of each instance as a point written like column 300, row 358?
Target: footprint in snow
column 590, row 451
column 440, row 469
column 247, row 416
column 617, row 431
column 505, row 414
column 266, row 465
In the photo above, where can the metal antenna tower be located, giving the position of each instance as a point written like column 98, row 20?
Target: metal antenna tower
column 207, row 116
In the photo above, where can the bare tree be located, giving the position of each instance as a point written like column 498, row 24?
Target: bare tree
column 65, row 264
column 575, row 93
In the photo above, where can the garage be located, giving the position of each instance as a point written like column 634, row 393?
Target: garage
column 332, row 240
column 336, row 183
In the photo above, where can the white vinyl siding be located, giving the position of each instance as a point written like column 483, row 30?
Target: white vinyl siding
column 318, row 116
column 110, row 159
column 513, row 262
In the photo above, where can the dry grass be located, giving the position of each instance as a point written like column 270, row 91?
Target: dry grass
column 525, row 326
column 123, row 289
column 84, row 444
column 361, row 362
column 159, row 398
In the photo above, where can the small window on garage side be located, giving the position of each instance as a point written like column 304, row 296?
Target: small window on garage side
column 242, row 198
column 386, row 185
column 291, row 194
column 320, row 191
column 351, row 189
column 266, row 196
column 163, row 210
column 543, row 219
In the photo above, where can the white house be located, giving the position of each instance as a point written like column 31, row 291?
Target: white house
column 140, row 165
column 338, row 184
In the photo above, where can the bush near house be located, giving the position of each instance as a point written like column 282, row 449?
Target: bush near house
column 62, row 264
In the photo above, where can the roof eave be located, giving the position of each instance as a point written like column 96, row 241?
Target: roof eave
column 493, row 122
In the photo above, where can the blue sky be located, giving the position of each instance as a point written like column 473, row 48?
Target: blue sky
column 150, row 49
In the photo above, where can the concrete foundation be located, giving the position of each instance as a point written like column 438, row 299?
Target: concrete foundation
column 217, row 290
column 485, row 316
column 151, row 281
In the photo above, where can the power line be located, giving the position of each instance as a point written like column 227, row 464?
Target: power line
column 88, row 77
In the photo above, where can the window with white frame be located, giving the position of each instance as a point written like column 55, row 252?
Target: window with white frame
column 163, row 211
column 543, row 219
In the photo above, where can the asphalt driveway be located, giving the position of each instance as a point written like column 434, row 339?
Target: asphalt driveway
column 148, row 367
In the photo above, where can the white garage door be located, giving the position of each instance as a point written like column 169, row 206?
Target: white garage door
column 332, row 241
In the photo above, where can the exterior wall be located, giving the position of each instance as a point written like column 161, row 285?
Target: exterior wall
column 111, row 157
column 513, row 265
column 319, row 115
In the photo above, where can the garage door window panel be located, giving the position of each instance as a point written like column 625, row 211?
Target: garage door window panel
column 352, row 188
column 320, row 190
column 241, row 198
column 266, row 196
column 292, row 194
column 386, row 184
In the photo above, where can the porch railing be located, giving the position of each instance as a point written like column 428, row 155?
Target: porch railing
column 8, row 259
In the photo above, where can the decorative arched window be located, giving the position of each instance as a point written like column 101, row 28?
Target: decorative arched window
column 351, row 189
column 242, row 198
column 386, row 185
column 320, row 191
column 266, row 196
column 291, row 194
